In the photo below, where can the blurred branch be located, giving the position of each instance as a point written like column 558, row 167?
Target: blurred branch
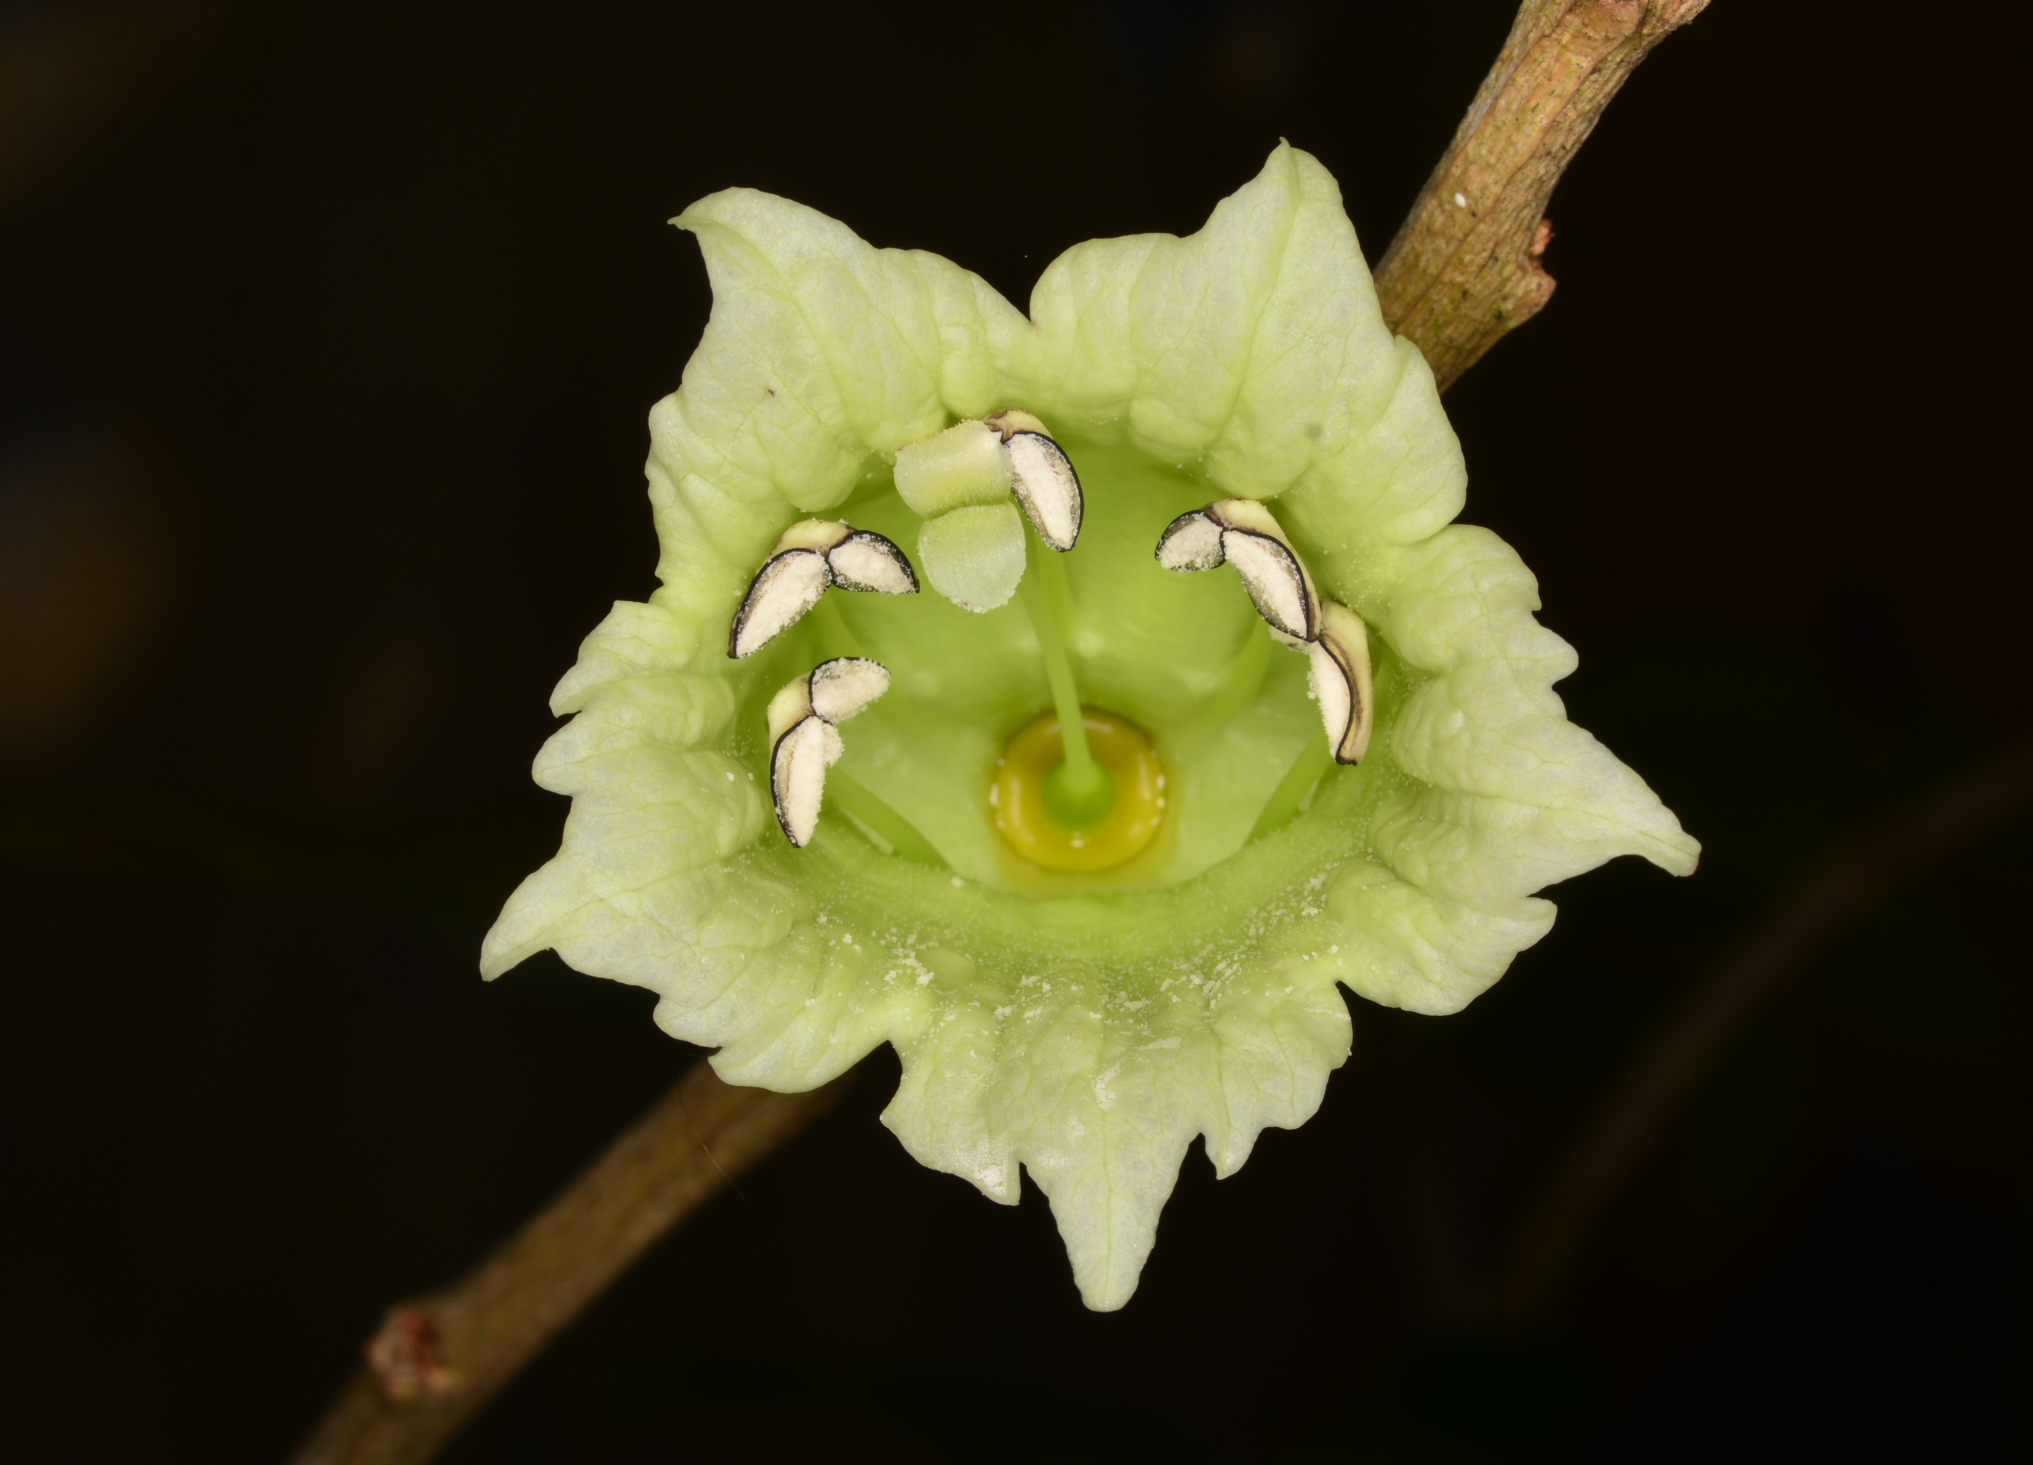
column 1860, row 873
column 1464, row 269
column 438, row 1359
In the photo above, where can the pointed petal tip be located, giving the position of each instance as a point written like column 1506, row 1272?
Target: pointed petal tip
column 498, row 955
column 1106, row 1297
column 1680, row 856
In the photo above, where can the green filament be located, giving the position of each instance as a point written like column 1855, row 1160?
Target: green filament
column 833, row 628
column 1286, row 799
column 878, row 820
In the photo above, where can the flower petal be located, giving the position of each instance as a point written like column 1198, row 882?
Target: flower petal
column 1256, row 348
column 820, row 345
column 1101, row 1111
column 1506, row 795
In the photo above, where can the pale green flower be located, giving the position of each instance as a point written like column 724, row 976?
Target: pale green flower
column 1084, row 1027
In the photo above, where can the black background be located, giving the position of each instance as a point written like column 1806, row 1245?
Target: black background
column 326, row 339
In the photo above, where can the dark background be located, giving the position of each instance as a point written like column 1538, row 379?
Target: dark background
column 326, row 339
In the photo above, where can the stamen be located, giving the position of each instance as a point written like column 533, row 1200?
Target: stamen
column 842, row 687
column 1340, row 673
column 1277, row 585
column 1042, row 477
column 866, row 561
column 1251, row 540
column 797, row 776
column 1244, row 533
column 835, row 634
column 1285, row 800
column 812, row 555
column 804, row 741
column 880, row 820
column 788, row 584
column 1191, row 542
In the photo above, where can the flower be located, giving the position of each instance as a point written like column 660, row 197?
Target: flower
column 1083, row 1025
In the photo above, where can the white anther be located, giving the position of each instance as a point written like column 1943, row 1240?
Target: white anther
column 1276, row 582
column 804, row 742
column 797, row 776
column 868, row 561
column 787, row 585
column 1340, row 673
column 1042, row 477
column 812, row 555
column 1242, row 532
column 1190, row 542
column 845, row 685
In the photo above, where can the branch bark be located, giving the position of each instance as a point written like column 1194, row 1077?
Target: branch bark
column 1465, row 268
column 1749, row 976
column 438, row 1359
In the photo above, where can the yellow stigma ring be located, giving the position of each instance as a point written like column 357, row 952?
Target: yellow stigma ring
column 1016, row 794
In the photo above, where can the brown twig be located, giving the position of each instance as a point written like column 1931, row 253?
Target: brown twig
column 1453, row 281
column 1464, row 269
column 1861, row 872
column 438, row 1359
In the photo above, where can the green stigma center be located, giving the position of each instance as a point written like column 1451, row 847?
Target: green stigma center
column 1079, row 798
